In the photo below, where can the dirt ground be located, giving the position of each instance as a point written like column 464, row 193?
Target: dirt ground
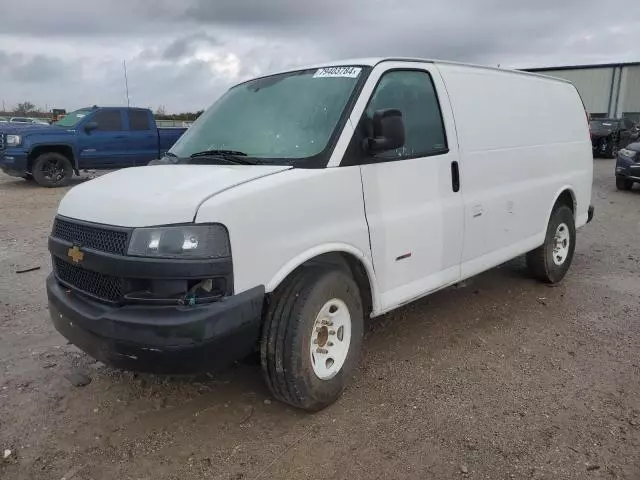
column 499, row 378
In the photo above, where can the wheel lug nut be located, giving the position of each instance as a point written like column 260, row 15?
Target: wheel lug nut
column 322, row 350
column 332, row 332
column 329, row 344
column 315, row 341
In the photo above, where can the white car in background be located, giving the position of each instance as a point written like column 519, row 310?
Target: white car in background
column 27, row 120
column 20, row 120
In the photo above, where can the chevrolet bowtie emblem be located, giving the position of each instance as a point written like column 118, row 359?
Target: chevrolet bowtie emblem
column 75, row 254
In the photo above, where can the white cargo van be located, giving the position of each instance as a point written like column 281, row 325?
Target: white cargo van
column 301, row 203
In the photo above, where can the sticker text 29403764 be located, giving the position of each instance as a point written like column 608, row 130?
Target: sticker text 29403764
column 349, row 72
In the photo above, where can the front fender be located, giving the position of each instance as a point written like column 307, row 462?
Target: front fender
column 278, row 222
column 33, row 148
column 318, row 250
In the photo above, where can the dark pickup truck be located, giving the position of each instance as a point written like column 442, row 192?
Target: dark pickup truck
column 91, row 138
column 609, row 135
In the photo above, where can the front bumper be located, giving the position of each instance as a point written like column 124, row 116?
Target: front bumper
column 159, row 339
column 627, row 168
column 13, row 161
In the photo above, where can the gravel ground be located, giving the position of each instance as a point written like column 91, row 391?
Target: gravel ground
column 499, row 378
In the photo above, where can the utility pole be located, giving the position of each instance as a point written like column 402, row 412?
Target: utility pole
column 126, row 81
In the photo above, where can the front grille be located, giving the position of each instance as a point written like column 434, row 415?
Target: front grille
column 97, row 238
column 97, row 284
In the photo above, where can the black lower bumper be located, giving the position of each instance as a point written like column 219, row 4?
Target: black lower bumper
column 159, row 339
column 13, row 173
column 590, row 213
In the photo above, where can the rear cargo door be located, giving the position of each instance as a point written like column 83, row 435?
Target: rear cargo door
column 412, row 195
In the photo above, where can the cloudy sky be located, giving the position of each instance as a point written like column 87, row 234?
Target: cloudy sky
column 184, row 53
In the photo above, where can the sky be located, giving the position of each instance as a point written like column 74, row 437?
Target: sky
column 183, row 54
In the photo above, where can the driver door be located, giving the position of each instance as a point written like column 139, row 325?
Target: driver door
column 105, row 146
column 413, row 202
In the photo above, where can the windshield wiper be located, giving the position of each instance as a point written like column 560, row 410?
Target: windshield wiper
column 228, row 156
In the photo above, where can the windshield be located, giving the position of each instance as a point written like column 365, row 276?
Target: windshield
column 281, row 119
column 73, row 118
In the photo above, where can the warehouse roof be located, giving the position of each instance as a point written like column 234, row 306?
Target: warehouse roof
column 583, row 67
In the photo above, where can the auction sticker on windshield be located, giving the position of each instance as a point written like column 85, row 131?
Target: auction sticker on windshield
column 348, row 72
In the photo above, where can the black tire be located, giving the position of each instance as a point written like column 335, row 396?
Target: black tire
column 624, row 183
column 52, row 170
column 541, row 260
column 285, row 346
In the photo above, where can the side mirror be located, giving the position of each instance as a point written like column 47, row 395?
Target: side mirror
column 90, row 126
column 388, row 131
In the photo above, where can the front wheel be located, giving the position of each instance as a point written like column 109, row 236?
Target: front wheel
column 550, row 262
column 312, row 337
column 52, row 170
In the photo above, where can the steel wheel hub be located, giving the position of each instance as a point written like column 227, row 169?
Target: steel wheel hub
column 53, row 170
column 330, row 339
column 561, row 244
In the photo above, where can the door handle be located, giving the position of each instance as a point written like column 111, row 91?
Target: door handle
column 455, row 176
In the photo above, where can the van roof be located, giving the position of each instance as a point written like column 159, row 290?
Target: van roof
column 373, row 61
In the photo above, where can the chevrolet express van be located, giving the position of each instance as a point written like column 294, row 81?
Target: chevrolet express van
column 302, row 203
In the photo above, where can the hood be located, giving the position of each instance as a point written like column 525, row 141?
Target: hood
column 156, row 195
column 633, row 146
column 29, row 128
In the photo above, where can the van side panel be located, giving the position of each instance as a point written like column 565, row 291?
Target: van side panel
column 522, row 140
column 277, row 222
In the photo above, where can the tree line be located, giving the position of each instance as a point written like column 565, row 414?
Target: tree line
column 29, row 108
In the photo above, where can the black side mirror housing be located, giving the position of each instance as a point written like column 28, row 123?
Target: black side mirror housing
column 388, row 131
column 90, row 126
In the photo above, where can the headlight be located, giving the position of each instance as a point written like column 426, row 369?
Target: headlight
column 188, row 241
column 627, row 153
column 13, row 140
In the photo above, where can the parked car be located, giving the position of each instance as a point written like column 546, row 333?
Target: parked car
column 90, row 138
column 304, row 202
column 20, row 120
column 4, row 120
column 628, row 166
column 608, row 135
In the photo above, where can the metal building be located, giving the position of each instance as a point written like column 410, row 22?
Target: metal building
column 609, row 90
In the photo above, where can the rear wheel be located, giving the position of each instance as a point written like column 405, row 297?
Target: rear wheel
column 624, row 183
column 550, row 262
column 312, row 337
column 52, row 170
